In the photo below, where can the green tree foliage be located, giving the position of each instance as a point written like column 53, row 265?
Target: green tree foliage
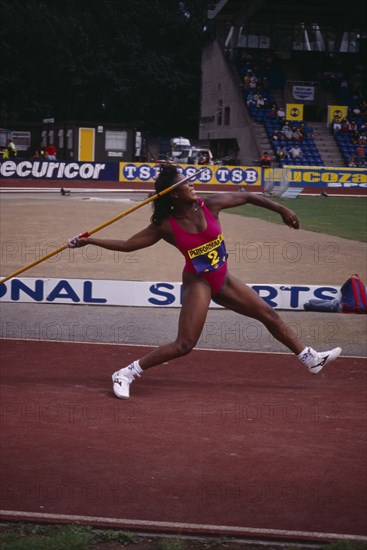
column 112, row 60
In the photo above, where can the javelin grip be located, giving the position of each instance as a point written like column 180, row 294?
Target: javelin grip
column 102, row 226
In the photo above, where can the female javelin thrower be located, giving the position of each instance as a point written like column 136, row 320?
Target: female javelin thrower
column 184, row 220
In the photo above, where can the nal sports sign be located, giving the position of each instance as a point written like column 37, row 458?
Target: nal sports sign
column 145, row 294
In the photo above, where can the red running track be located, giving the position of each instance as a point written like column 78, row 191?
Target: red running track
column 218, row 442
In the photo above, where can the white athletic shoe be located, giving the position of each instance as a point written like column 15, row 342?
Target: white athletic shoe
column 122, row 379
column 121, row 385
column 315, row 361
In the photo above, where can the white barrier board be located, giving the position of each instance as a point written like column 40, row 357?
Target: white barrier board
column 145, row 294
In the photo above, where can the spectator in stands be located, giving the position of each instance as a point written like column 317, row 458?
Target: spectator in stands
column 281, row 112
column 352, row 162
column 297, row 135
column 296, row 152
column 253, row 83
column 273, row 112
column 353, row 126
column 287, row 132
column 12, row 150
column 345, row 126
column 361, row 157
column 51, row 152
column 276, row 136
column 204, row 158
column 355, row 137
column 281, row 153
column 247, row 79
column 265, row 160
column 259, row 101
column 336, row 124
column 40, row 153
column 250, row 98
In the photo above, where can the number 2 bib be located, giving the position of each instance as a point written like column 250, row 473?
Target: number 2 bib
column 209, row 256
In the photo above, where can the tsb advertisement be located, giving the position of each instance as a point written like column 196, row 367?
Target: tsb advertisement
column 238, row 175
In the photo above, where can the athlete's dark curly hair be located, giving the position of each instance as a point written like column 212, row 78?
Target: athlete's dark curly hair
column 162, row 206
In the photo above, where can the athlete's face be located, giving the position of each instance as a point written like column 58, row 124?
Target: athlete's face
column 185, row 192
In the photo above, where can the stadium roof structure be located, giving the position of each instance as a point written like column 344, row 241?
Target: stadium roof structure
column 336, row 14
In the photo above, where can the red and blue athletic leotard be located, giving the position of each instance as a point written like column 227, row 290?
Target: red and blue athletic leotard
column 204, row 252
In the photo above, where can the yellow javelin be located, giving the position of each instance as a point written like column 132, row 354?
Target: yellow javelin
column 102, row 226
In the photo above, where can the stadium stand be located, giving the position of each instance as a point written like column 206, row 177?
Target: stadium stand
column 320, row 46
column 346, row 82
column 260, row 73
column 353, row 142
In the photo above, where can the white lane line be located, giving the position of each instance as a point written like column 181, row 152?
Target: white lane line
column 132, row 345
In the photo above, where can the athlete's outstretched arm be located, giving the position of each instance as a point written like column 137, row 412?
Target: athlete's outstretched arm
column 218, row 202
column 147, row 237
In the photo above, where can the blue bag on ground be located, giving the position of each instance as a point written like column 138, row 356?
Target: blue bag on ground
column 331, row 305
column 354, row 296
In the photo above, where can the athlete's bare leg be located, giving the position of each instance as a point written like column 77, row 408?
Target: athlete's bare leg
column 238, row 297
column 233, row 295
column 196, row 298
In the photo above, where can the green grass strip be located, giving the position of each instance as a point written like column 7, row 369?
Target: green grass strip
column 60, row 537
column 23, row 536
column 340, row 216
